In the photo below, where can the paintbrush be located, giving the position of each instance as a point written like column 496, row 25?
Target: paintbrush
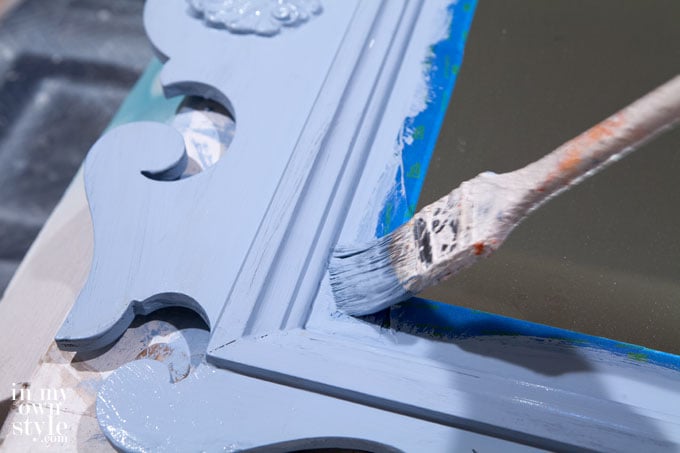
column 475, row 218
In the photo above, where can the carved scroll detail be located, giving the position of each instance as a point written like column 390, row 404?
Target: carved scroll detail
column 262, row 17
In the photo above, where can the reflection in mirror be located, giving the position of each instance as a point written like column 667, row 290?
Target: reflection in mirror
column 208, row 129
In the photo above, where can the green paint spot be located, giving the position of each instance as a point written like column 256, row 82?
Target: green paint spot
column 414, row 171
column 465, row 35
column 450, row 70
column 447, row 67
column 467, row 7
column 639, row 356
column 419, row 132
column 411, row 211
column 626, row 346
column 389, row 210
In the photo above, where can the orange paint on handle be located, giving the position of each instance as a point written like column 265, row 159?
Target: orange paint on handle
column 579, row 150
column 581, row 146
column 479, row 248
column 570, row 160
column 605, row 129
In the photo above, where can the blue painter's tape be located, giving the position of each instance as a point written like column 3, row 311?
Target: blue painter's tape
column 444, row 64
column 445, row 322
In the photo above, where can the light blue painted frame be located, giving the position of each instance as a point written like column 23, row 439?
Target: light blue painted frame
column 286, row 331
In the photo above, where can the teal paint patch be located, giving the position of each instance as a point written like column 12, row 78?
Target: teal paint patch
column 146, row 101
column 443, row 67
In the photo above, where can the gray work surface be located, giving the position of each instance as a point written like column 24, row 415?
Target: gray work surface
column 65, row 66
column 604, row 257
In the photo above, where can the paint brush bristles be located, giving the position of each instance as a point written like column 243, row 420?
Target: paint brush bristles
column 365, row 276
column 474, row 219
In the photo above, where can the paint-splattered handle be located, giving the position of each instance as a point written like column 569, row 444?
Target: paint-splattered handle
column 474, row 219
column 604, row 143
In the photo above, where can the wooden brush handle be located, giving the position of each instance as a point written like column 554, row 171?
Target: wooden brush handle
column 474, row 219
column 606, row 142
